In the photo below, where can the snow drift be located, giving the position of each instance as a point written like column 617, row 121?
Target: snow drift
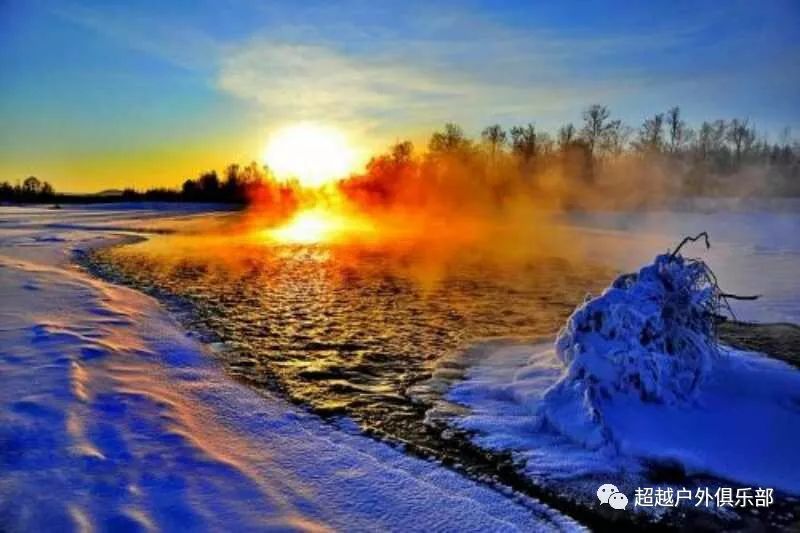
column 649, row 336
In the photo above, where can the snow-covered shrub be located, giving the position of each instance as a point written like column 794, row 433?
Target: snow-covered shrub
column 649, row 337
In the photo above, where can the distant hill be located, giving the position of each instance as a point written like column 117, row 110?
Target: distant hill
column 110, row 192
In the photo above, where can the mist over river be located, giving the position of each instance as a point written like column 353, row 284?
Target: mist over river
column 346, row 328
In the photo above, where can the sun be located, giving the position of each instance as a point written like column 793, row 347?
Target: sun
column 313, row 154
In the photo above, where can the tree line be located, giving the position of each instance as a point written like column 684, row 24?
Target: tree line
column 600, row 161
column 600, row 157
column 723, row 145
column 717, row 147
column 32, row 189
column 238, row 185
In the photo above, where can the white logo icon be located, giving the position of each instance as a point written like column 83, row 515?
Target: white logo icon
column 618, row 501
column 611, row 495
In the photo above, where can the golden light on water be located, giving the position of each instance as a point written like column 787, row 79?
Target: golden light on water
column 311, row 153
column 319, row 225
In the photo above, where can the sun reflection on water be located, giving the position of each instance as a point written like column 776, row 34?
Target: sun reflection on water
column 319, row 225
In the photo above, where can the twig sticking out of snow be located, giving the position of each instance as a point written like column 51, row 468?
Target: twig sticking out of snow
column 688, row 239
column 730, row 296
column 724, row 296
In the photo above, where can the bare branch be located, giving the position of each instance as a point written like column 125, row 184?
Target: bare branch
column 738, row 297
column 686, row 240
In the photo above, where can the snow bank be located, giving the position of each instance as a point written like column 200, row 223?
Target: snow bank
column 649, row 336
column 111, row 418
column 743, row 425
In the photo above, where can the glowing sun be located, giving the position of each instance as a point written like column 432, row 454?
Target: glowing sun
column 311, row 153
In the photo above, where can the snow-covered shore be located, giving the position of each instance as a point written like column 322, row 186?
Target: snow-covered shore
column 112, row 418
column 740, row 428
column 743, row 427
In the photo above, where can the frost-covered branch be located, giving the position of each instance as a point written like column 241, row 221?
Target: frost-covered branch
column 651, row 336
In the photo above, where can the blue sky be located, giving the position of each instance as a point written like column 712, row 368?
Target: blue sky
column 102, row 94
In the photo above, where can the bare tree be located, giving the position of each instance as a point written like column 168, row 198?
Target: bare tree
column 402, row 152
column 495, row 137
column 676, row 129
column 566, row 136
column 544, row 143
column 710, row 141
column 595, row 126
column 616, row 138
column 741, row 136
column 785, row 137
column 704, row 140
column 651, row 134
column 524, row 142
column 718, row 134
column 451, row 140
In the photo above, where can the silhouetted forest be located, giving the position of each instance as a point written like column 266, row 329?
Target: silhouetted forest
column 601, row 161
column 32, row 189
column 239, row 185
